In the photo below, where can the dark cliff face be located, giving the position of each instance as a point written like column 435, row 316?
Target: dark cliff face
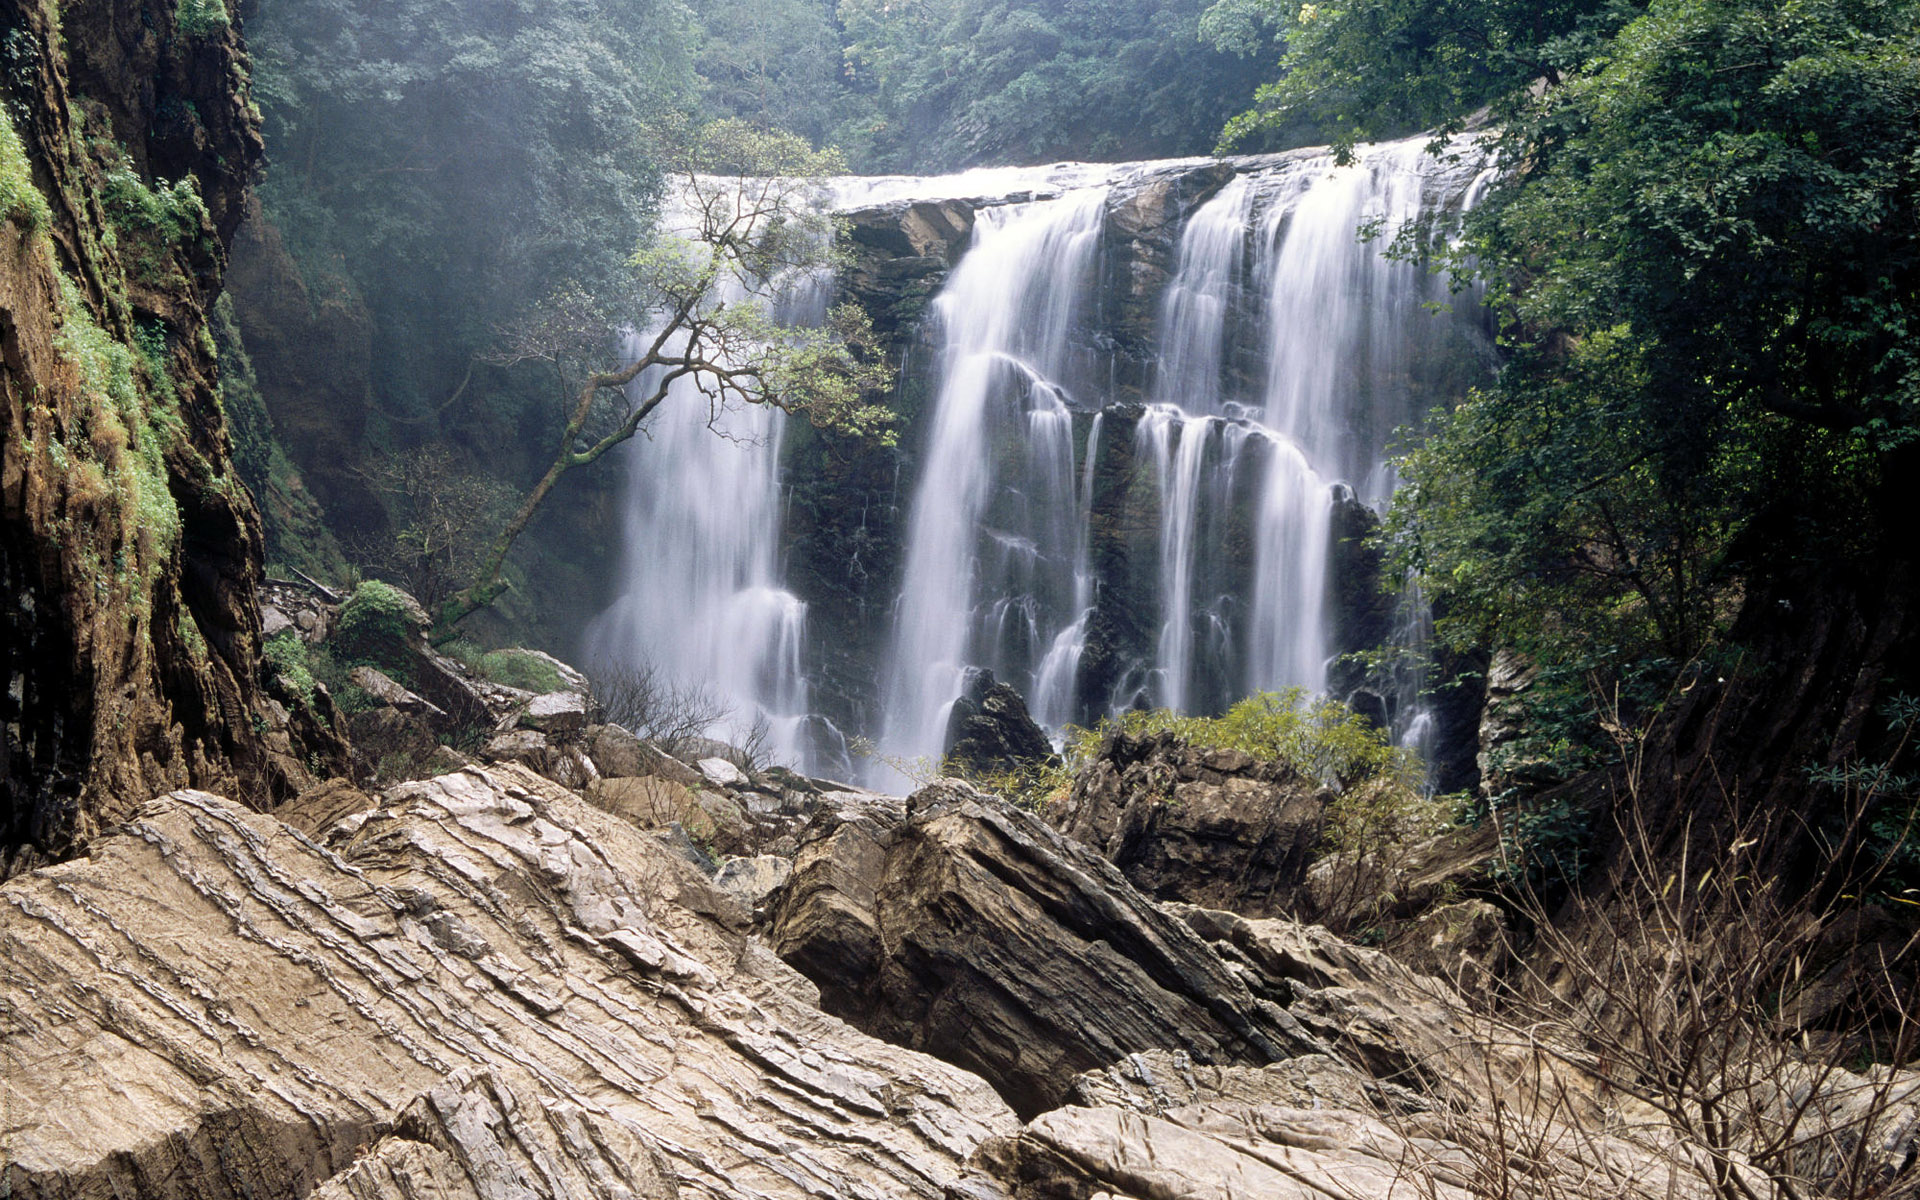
column 129, row 549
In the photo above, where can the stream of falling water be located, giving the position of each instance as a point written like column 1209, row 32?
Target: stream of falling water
column 1285, row 354
column 994, row 537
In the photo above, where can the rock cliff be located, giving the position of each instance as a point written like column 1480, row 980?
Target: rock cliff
column 129, row 550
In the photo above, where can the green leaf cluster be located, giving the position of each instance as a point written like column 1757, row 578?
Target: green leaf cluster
column 959, row 82
column 1705, row 255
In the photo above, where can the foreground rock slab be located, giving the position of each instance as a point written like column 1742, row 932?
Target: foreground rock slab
column 975, row 932
column 483, row 988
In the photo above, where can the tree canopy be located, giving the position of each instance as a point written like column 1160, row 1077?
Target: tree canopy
column 958, row 82
column 1705, row 250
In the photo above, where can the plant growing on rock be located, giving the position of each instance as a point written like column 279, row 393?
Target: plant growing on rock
column 745, row 232
column 1321, row 738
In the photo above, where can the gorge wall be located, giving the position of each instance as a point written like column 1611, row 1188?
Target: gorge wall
column 129, row 549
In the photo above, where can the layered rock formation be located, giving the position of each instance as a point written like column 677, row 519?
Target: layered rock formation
column 485, row 987
column 482, row 986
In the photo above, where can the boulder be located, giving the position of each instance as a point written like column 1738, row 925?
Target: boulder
column 1006, row 948
column 558, row 714
column 721, row 773
column 1208, row 827
column 989, row 728
column 617, row 752
column 482, row 988
column 753, row 881
column 381, row 687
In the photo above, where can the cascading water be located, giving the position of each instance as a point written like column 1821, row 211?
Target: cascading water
column 993, row 544
column 1286, row 353
column 702, row 606
column 1096, row 533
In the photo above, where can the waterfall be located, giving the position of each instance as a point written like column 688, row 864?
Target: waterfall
column 1122, row 485
column 1286, row 351
column 701, row 603
column 989, row 576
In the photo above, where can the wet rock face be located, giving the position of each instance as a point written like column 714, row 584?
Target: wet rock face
column 483, row 987
column 1209, row 827
column 989, row 728
column 127, row 629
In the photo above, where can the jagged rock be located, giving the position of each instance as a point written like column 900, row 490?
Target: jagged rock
column 826, row 921
column 482, row 988
column 752, row 881
column 565, row 763
column 989, row 728
column 1208, row 827
column 617, row 752
column 130, row 649
column 721, row 773
column 382, row 688
column 320, row 809
column 1227, row 1151
column 1156, row 1081
column 1009, row 949
column 556, row 713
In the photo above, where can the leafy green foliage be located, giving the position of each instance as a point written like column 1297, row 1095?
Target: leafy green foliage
column 773, row 63
column 286, row 657
column 1361, row 71
column 1704, row 251
column 958, row 82
column 202, row 17
column 149, row 223
column 1320, row 737
column 20, row 201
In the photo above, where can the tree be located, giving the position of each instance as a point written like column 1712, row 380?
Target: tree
column 1706, row 249
column 1358, row 71
column 441, row 512
column 743, row 229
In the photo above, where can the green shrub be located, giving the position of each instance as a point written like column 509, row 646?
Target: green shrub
column 286, row 655
column 1319, row 737
column 379, row 626
column 19, row 200
column 201, row 17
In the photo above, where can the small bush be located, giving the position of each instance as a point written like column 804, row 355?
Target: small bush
column 1319, row 737
column 286, row 656
column 379, row 626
